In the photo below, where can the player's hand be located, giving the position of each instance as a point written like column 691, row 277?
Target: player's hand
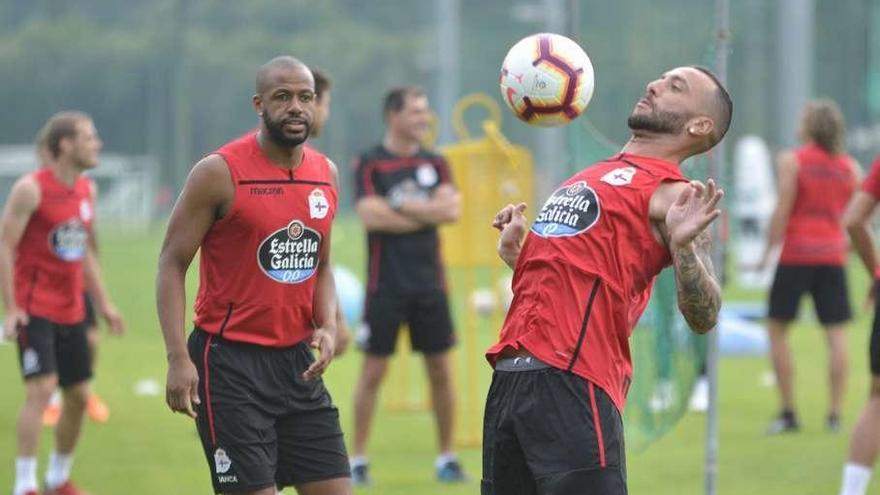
column 182, row 386
column 114, row 320
column 325, row 342
column 14, row 321
column 506, row 214
column 692, row 212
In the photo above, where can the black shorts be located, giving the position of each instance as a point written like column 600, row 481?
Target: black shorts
column 46, row 348
column 261, row 424
column 875, row 334
column 827, row 285
column 91, row 322
column 428, row 316
column 549, row 432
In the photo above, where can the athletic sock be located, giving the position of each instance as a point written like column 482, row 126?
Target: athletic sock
column 855, row 479
column 444, row 459
column 358, row 460
column 25, row 475
column 58, row 471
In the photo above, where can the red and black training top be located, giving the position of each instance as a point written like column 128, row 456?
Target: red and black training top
column 871, row 185
column 586, row 270
column 259, row 262
column 814, row 234
column 402, row 263
column 48, row 260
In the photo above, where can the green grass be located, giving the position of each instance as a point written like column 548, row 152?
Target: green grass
column 145, row 449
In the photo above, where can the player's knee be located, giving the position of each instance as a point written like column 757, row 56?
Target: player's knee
column 77, row 396
column 40, row 389
column 875, row 388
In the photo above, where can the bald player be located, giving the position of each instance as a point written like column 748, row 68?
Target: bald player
column 260, row 210
column 583, row 274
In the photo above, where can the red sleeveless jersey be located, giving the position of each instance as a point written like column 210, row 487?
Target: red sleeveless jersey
column 871, row 185
column 48, row 263
column 586, row 270
column 259, row 262
column 814, row 234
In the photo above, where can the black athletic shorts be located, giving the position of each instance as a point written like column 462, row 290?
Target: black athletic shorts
column 549, row 432
column 261, row 424
column 45, row 348
column 91, row 322
column 875, row 333
column 827, row 285
column 428, row 316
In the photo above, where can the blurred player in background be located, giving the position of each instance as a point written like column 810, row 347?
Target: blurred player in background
column 96, row 408
column 865, row 441
column 323, row 88
column 46, row 264
column 260, row 211
column 815, row 183
column 404, row 192
column 583, row 275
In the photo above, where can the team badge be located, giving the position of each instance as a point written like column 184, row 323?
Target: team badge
column 222, row 463
column 619, row 176
column 318, row 205
column 85, row 210
column 426, row 175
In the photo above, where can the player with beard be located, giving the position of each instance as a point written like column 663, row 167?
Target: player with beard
column 583, row 274
column 260, row 209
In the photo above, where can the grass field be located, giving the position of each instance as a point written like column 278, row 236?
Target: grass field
column 145, row 449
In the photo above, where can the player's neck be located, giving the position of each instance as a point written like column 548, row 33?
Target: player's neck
column 283, row 156
column 400, row 146
column 65, row 171
column 657, row 146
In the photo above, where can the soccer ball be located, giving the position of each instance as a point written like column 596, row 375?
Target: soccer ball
column 546, row 79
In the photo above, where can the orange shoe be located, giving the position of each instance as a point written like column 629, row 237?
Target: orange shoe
column 68, row 488
column 51, row 414
column 97, row 409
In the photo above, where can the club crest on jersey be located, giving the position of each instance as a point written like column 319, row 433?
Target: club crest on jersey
column 569, row 211
column 290, row 254
column 318, row 205
column 619, row 176
column 426, row 175
column 68, row 240
column 85, row 210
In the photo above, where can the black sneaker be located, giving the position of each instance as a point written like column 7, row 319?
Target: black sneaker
column 785, row 423
column 833, row 423
column 451, row 472
column 360, row 475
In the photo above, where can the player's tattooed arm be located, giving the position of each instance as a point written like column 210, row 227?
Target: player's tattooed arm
column 699, row 295
column 686, row 232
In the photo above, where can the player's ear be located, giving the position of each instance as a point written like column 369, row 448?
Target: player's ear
column 257, row 102
column 700, row 126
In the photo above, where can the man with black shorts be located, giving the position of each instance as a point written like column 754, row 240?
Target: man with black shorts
column 403, row 193
column 583, row 274
column 260, row 209
column 816, row 181
column 46, row 263
column 865, row 442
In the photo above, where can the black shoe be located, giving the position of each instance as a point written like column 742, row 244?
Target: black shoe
column 833, row 423
column 451, row 472
column 360, row 475
column 785, row 423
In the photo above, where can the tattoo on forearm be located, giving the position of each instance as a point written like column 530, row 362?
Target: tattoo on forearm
column 699, row 296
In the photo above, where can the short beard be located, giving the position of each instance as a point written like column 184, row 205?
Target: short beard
column 658, row 122
column 276, row 133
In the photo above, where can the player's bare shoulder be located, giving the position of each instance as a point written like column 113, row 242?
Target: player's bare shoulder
column 662, row 199
column 334, row 172
column 210, row 182
column 25, row 195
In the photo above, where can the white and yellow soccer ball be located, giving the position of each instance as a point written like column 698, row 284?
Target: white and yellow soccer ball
column 547, row 80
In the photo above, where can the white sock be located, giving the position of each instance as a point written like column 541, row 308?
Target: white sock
column 358, row 460
column 855, row 479
column 58, row 471
column 25, row 475
column 445, row 457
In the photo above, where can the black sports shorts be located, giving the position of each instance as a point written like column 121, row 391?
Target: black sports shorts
column 550, row 432
column 827, row 285
column 875, row 333
column 45, row 348
column 261, row 424
column 428, row 316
